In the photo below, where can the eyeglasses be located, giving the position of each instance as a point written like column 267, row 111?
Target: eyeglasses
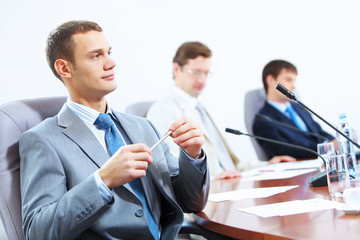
column 197, row 73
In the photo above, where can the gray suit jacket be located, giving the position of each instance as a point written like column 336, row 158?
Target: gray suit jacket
column 60, row 199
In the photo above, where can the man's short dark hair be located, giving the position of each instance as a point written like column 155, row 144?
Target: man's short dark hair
column 60, row 45
column 191, row 50
column 274, row 68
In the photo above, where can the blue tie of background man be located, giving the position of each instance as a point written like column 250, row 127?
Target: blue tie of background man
column 114, row 142
column 294, row 117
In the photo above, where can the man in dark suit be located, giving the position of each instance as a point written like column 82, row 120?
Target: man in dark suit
column 279, row 108
column 89, row 172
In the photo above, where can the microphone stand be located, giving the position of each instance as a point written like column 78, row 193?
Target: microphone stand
column 317, row 180
column 268, row 119
column 237, row 132
column 291, row 96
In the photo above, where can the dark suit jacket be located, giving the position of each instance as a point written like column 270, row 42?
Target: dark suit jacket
column 288, row 135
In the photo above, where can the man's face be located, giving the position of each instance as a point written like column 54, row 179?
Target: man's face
column 192, row 77
column 287, row 78
column 92, row 73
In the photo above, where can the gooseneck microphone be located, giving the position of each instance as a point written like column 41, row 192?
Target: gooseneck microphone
column 237, row 132
column 291, row 96
column 268, row 119
column 318, row 180
column 286, row 92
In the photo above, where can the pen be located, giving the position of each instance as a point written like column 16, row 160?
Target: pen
column 161, row 139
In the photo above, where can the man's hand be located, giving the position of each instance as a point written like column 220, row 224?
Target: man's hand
column 188, row 136
column 284, row 158
column 128, row 163
column 229, row 174
column 336, row 144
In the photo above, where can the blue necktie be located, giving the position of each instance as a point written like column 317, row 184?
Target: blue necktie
column 114, row 142
column 294, row 118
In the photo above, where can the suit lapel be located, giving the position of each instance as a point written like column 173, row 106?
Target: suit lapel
column 135, row 133
column 304, row 116
column 279, row 116
column 232, row 155
column 78, row 132
column 189, row 111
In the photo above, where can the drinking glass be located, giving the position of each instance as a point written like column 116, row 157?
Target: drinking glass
column 326, row 149
column 337, row 174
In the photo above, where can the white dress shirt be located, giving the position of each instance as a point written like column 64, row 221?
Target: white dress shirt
column 180, row 104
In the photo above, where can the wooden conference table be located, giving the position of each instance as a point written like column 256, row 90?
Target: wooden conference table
column 224, row 218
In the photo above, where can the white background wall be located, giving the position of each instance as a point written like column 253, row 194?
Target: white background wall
column 320, row 37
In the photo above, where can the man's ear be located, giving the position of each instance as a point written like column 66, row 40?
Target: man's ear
column 270, row 79
column 62, row 67
column 176, row 68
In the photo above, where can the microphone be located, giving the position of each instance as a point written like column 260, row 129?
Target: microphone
column 318, row 180
column 286, row 92
column 268, row 119
column 291, row 96
column 237, row 132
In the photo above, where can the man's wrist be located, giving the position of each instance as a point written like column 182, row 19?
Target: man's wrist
column 200, row 155
column 104, row 191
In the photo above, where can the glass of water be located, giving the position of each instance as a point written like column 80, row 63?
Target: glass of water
column 326, row 149
column 337, row 174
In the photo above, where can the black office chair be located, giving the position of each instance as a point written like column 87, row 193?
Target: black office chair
column 16, row 118
column 191, row 227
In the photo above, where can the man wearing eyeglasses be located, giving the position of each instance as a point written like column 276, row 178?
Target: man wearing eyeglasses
column 191, row 70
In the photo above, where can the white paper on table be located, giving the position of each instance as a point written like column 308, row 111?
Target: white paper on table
column 277, row 174
column 308, row 164
column 316, row 163
column 249, row 193
column 290, row 208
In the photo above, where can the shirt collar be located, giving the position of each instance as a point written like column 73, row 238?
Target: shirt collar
column 279, row 106
column 86, row 114
column 185, row 97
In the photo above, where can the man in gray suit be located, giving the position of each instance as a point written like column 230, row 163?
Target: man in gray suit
column 73, row 186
